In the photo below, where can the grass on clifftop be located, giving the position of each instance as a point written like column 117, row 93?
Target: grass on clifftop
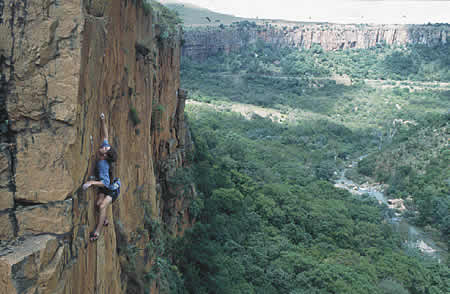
column 196, row 16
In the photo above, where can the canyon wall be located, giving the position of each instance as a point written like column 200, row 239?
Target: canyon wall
column 62, row 64
column 203, row 42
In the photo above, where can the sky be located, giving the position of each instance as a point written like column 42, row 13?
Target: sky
column 339, row 11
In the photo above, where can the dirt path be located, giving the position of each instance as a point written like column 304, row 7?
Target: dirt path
column 413, row 85
column 346, row 80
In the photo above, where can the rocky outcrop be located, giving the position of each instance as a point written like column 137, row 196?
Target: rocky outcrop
column 208, row 41
column 62, row 64
column 398, row 204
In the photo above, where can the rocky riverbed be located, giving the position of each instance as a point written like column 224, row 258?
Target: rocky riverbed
column 413, row 237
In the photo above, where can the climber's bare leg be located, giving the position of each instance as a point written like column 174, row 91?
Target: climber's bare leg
column 100, row 199
column 102, row 215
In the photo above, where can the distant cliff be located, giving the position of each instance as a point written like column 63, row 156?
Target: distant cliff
column 62, row 64
column 208, row 41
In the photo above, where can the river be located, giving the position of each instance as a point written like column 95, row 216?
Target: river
column 412, row 236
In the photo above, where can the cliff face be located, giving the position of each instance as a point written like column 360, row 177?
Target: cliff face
column 208, row 41
column 62, row 64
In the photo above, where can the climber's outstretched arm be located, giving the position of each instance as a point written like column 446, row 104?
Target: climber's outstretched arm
column 104, row 128
column 93, row 183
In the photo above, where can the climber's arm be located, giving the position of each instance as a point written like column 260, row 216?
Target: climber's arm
column 104, row 128
column 97, row 183
column 93, row 183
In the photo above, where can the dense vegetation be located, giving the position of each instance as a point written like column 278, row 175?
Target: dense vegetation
column 414, row 62
column 269, row 224
column 242, row 77
column 408, row 123
column 268, row 219
column 415, row 166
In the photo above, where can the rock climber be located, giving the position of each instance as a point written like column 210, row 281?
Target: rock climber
column 106, row 194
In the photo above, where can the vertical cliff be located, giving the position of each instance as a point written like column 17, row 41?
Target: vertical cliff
column 62, row 64
column 208, row 41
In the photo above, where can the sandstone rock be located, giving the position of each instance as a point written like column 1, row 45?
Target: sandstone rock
column 62, row 89
column 6, row 196
column 6, row 199
column 200, row 44
column 424, row 247
column 396, row 204
column 54, row 218
column 6, row 227
column 32, row 266
column 4, row 168
column 43, row 49
column 30, row 99
column 42, row 174
column 75, row 60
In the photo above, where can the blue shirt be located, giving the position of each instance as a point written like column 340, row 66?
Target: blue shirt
column 103, row 172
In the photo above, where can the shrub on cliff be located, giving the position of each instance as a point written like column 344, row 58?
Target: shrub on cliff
column 134, row 117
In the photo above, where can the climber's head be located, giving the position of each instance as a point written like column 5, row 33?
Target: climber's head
column 104, row 148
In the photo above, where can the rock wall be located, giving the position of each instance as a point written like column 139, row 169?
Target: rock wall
column 62, row 64
column 208, row 41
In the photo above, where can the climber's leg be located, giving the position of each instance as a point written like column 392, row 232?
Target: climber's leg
column 102, row 215
column 100, row 199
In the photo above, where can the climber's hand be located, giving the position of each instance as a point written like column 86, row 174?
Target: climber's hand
column 102, row 115
column 86, row 185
